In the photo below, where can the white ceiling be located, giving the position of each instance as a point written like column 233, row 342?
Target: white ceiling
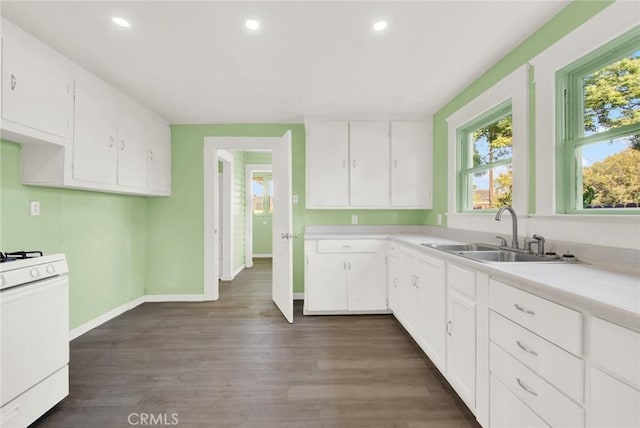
column 194, row 62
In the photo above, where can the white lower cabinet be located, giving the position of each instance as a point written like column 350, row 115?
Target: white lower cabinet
column 407, row 290
column 345, row 276
column 432, row 304
column 613, row 403
column 461, row 332
column 393, row 273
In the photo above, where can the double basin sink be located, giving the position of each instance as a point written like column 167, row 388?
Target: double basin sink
column 493, row 253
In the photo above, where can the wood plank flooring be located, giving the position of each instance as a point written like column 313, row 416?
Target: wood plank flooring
column 238, row 363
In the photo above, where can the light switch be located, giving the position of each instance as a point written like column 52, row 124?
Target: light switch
column 34, row 208
column 439, row 219
column 295, row 199
column 354, row 219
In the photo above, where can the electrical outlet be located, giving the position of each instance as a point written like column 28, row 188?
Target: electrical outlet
column 34, row 208
column 354, row 219
column 439, row 219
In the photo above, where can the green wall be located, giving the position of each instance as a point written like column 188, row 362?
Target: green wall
column 571, row 17
column 176, row 223
column 103, row 236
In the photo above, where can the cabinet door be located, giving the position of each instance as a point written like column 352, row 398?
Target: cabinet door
column 132, row 146
column 392, row 279
column 407, row 291
column 96, row 122
column 326, row 283
column 461, row 345
column 432, row 303
column 327, row 150
column 366, row 282
column 613, row 404
column 369, row 153
column 159, row 157
column 37, row 85
column 411, row 165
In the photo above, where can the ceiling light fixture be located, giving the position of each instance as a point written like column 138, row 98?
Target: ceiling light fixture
column 121, row 22
column 380, row 25
column 252, row 24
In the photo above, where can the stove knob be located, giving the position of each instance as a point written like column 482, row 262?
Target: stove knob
column 51, row 269
column 35, row 273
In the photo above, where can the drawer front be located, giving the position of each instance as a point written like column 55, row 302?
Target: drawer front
column 348, row 246
column 462, row 280
column 616, row 349
column 507, row 411
column 560, row 368
column 556, row 323
column 613, row 404
column 550, row 404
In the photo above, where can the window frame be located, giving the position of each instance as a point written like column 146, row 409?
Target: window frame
column 464, row 150
column 570, row 124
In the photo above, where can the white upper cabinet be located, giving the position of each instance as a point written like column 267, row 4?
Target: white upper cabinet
column 159, row 157
column 77, row 131
column 37, row 89
column 369, row 154
column 411, row 165
column 368, row 164
column 132, row 146
column 96, row 132
column 327, row 164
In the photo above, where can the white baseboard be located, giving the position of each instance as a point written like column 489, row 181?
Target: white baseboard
column 90, row 325
column 262, row 256
column 298, row 296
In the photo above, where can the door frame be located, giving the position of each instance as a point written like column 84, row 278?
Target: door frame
column 212, row 148
column 251, row 168
column 226, row 266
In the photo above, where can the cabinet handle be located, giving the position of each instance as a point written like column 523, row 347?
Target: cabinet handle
column 417, row 284
column 525, row 387
column 395, row 163
column 14, row 82
column 151, row 154
column 110, row 141
column 344, row 265
column 449, row 327
column 121, row 144
column 349, row 265
column 354, row 163
column 523, row 309
column 526, row 349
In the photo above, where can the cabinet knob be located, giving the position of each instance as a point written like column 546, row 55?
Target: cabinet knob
column 14, row 82
column 449, row 328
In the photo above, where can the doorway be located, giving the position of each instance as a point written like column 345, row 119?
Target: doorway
column 258, row 210
column 280, row 147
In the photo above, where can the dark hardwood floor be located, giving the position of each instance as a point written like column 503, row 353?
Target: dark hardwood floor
column 238, row 363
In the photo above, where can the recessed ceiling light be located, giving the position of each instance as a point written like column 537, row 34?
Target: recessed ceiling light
column 252, row 24
column 121, row 22
column 380, row 25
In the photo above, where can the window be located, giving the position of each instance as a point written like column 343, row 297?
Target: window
column 262, row 193
column 485, row 172
column 599, row 126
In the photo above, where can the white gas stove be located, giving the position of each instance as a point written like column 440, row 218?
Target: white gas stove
column 34, row 335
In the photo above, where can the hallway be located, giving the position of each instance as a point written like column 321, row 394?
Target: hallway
column 238, row 363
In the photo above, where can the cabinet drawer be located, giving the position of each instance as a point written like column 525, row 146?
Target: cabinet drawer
column 507, row 411
column 348, row 246
column 556, row 323
column 616, row 349
column 554, row 364
column 549, row 403
column 462, row 280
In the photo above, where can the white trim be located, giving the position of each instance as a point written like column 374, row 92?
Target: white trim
column 233, row 275
column 513, row 87
column 262, row 256
column 90, row 325
column 155, row 298
column 250, row 168
column 298, row 296
column 226, row 234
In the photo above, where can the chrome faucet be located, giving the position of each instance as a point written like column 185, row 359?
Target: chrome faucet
column 514, row 221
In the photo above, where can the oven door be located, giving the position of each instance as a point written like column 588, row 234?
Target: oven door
column 34, row 334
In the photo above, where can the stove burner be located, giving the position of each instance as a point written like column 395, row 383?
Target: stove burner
column 18, row 255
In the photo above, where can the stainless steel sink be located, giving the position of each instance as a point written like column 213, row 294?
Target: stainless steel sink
column 463, row 247
column 505, row 256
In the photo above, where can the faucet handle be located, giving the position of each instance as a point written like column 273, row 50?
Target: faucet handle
column 503, row 241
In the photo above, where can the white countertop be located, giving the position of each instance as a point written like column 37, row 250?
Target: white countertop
column 586, row 288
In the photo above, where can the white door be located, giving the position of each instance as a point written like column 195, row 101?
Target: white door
column 369, row 153
column 366, row 281
column 407, row 291
column 326, row 284
column 159, row 165
column 432, row 302
column 282, row 287
column 461, row 346
column 411, row 169
column 220, row 219
column 132, row 146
